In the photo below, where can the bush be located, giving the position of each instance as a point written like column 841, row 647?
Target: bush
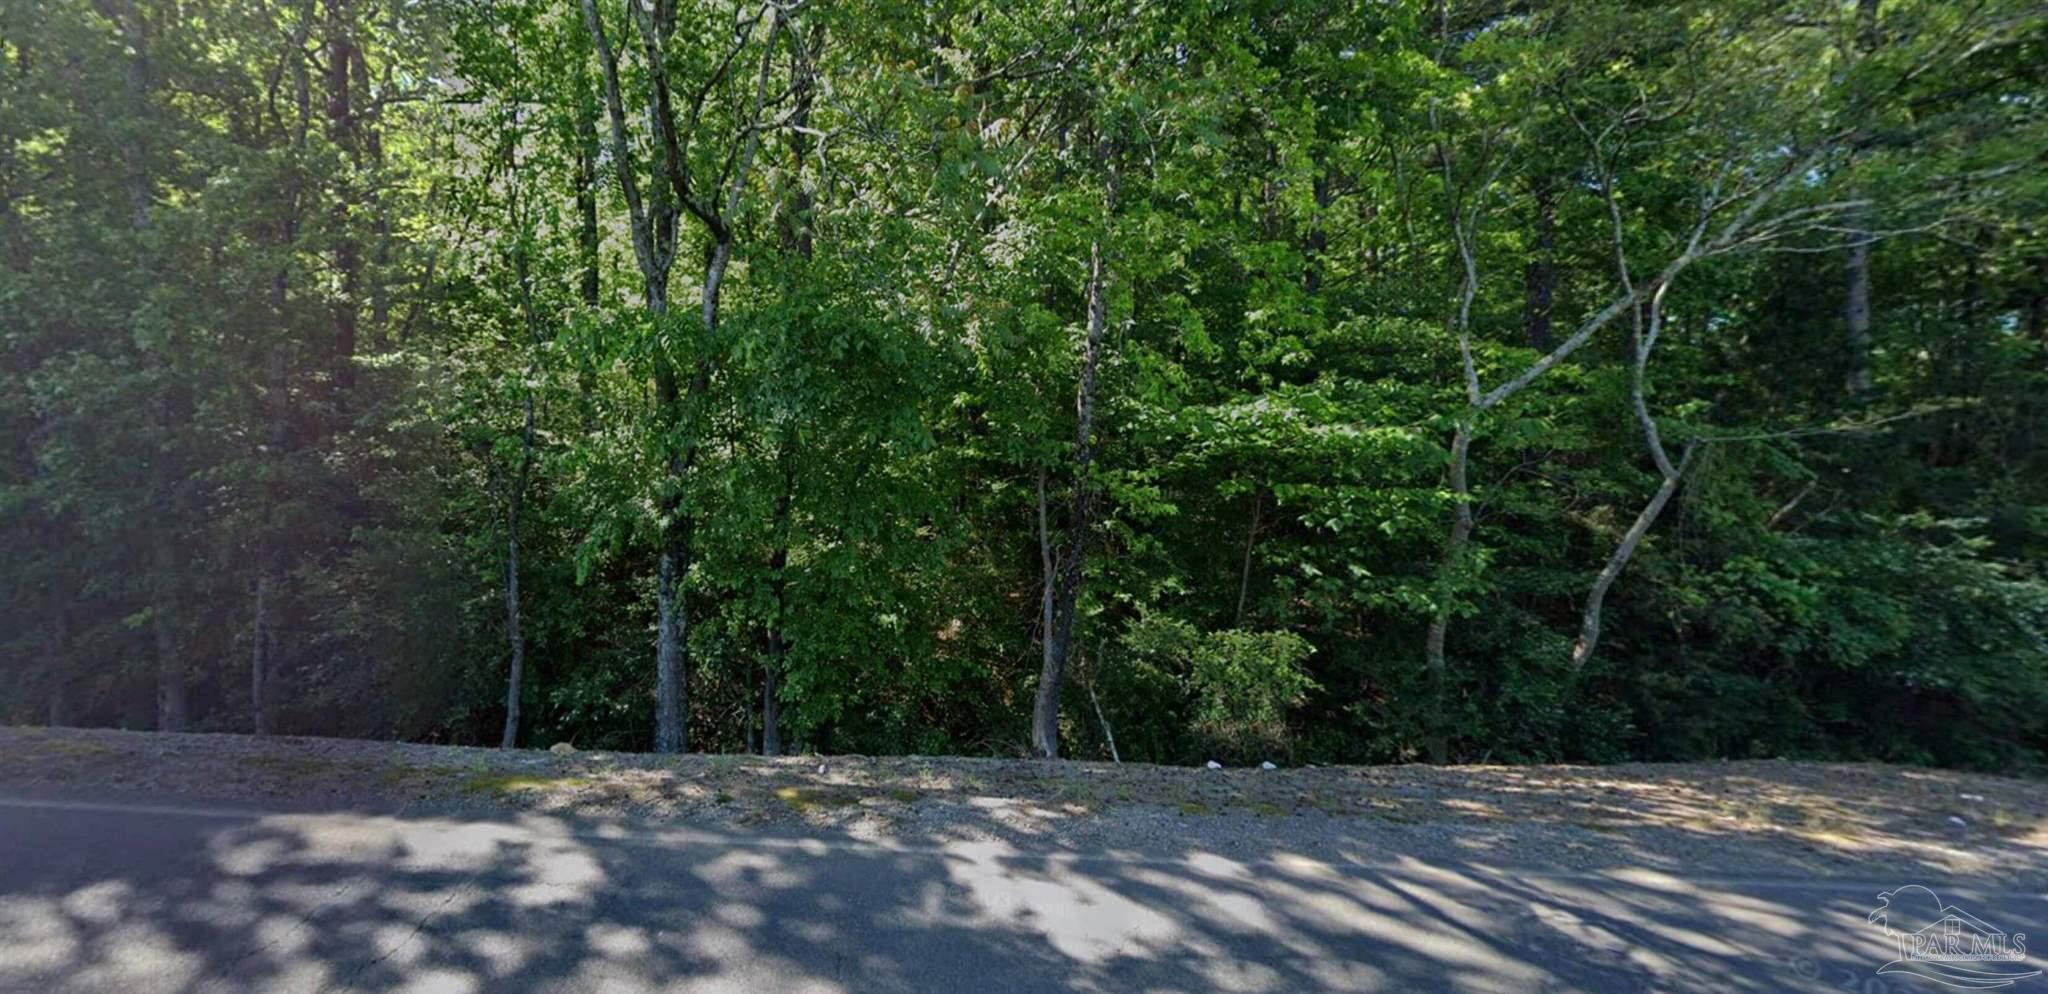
column 1238, row 686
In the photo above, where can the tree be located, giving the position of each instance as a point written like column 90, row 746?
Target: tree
column 679, row 182
column 1214, row 360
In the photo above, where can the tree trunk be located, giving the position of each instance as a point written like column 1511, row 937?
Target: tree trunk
column 1856, row 302
column 1437, row 739
column 797, row 241
column 671, row 689
column 654, row 222
column 1318, row 240
column 269, row 558
column 1251, row 539
column 1856, row 309
column 654, row 231
column 170, row 670
column 1049, row 581
column 343, row 129
column 1108, row 736
column 588, row 239
column 771, row 708
column 2037, row 302
column 259, row 664
column 1539, row 283
column 515, row 639
column 171, row 715
column 515, row 642
column 1589, row 621
column 778, row 644
column 671, row 695
column 1064, row 587
column 515, row 503
column 59, row 663
column 1653, row 440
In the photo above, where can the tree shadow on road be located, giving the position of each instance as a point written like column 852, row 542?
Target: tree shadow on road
column 509, row 901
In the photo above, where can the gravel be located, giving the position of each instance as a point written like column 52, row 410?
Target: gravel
column 1722, row 818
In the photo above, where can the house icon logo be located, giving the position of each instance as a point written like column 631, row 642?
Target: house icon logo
column 1946, row 945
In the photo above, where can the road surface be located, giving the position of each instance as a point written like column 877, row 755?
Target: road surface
column 114, row 896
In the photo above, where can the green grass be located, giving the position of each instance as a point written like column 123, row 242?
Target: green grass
column 401, row 775
column 513, row 783
column 808, row 798
column 71, row 747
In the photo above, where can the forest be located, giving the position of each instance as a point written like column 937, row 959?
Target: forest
column 1331, row 381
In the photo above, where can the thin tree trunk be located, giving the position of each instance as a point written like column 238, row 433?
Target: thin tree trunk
column 376, row 275
column 2037, row 302
column 171, row 692
column 670, row 694
column 59, row 663
column 1670, row 474
column 771, row 708
column 171, row 707
column 1539, row 281
column 778, row 645
column 514, row 637
column 1856, row 302
column 653, row 223
column 1856, row 309
column 259, row 666
column 671, row 688
column 796, row 240
column 1318, row 240
column 1436, row 667
column 515, row 641
column 671, row 652
column 515, row 503
column 1589, row 621
column 1049, row 574
column 588, row 239
column 1101, row 718
column 268, row 555
column 1437, row 739
column 1251, row 538
column 1066, row 587
column 343, row 128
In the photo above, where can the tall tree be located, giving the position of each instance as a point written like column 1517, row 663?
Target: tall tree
column 702, row 167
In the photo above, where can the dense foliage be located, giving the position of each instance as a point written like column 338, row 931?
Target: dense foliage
column 1321, row 381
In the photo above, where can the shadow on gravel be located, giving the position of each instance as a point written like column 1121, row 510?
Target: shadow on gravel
column 122, row 898
column 994, row 877
column 1759, row 816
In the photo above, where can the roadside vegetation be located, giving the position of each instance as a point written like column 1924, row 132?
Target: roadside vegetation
column 1147, row 382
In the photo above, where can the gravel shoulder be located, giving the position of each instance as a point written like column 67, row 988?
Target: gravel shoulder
column 1732, row 819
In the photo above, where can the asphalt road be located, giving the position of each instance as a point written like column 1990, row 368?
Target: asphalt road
column 111, row 896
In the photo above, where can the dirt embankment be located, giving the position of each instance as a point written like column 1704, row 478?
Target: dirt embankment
column 1735, row 818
